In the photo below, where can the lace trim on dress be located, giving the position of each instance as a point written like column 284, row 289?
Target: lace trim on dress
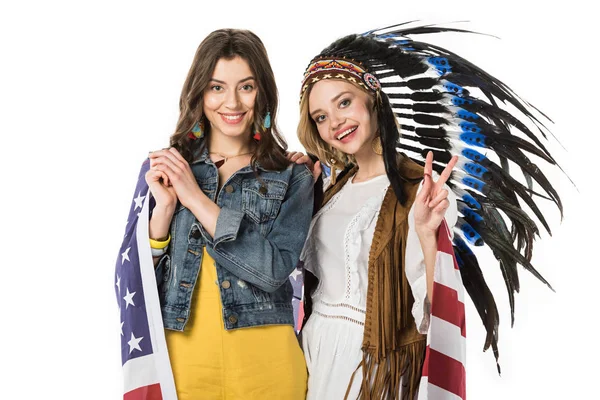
column 353, row 308
column 339, row 317
column 347, row 237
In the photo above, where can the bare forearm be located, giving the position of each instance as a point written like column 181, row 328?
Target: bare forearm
column 160, row 222
column 159, row 225
column 206, row 212
column 429, row 246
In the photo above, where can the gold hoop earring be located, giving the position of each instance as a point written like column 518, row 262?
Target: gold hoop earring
column 376, row 145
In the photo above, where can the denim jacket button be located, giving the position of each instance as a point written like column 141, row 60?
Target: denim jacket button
column 225, row 284
column 180, row 319
column 263, row 190
column 233, row 319
column 229, row 189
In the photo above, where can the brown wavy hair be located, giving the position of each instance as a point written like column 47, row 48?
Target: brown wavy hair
column 227, row 44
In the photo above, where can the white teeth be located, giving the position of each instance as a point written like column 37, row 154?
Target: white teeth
column 345, row 133
column 232, row 117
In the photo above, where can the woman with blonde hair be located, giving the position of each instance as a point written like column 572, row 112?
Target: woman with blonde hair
column 373, row 247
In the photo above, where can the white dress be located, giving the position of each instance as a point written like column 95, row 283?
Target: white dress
column 337, row 252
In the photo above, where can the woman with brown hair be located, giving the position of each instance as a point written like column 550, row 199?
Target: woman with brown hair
column 227, row 228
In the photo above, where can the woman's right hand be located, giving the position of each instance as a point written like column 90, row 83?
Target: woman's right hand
column 166, row 201
column 161, row 189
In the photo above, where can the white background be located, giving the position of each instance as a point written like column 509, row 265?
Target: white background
column 88, row 88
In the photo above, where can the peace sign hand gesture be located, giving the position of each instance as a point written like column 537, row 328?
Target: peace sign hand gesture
column 432, row 202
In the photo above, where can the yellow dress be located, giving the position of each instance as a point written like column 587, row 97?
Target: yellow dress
column 209, row 362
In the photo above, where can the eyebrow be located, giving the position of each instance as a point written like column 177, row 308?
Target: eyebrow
column 312, row 114
column 224, row 83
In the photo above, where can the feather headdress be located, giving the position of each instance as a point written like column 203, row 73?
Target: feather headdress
column 447, row 105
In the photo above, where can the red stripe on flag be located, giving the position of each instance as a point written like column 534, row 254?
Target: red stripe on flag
column 425, row 371
column 151, row 392
column 445, row 372
column 300, row 315
column 446, row 306
column 444, row 243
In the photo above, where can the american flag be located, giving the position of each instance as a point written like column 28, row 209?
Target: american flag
column 146, row 367
column 444, row 373
column 297, row 280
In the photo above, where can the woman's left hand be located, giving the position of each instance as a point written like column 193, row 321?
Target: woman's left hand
column 432, row 201
column 299, row 157
column 180, row 175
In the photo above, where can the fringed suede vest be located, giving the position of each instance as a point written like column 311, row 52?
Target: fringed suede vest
column 393, row 349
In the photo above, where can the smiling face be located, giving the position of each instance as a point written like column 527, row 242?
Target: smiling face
column 343, row 115
column 229, row 98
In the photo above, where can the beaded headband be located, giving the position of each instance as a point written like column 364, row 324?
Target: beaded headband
column 339, row 68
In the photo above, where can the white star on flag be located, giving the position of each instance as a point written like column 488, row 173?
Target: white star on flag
column 125, row 255
column 147, row 369
column 134, row 343
column 139, row 200
column 296, row 273
column 129, row 299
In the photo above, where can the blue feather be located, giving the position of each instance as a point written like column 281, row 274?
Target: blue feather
column 474, row 169
column 469, row 214
column 441, row 64
column 459, row 101
column 467, row 198
column 470, row 234
column 473, row 139
column 473, row 183
column 386, row 36
column 473, row 155
column 470, row 200
column 453, row 88
column 469, row 127
column 467, row 115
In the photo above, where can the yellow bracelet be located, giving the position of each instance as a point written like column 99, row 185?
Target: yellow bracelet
column 160, row 244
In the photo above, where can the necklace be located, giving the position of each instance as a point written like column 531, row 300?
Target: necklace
column 219, row 163
column 367, row 178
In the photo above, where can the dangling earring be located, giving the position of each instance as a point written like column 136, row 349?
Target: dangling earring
column 257, row 133
column 333, row 171
column 197, row 131
column 376, row 145
column 266, row 125
column 267, row 122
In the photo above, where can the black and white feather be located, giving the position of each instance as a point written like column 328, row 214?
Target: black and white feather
column 448, row 105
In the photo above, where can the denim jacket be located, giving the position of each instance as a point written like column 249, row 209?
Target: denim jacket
column 260, row 232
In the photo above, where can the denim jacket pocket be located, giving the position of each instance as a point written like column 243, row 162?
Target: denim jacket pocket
column 260, row 295
column 282, row 296
column 261, row 200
